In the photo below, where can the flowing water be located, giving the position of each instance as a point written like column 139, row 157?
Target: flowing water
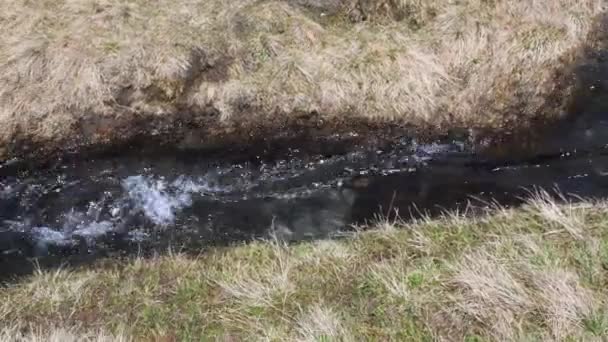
column 81, row 209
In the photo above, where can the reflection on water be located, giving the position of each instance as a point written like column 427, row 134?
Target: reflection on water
column 127, row 204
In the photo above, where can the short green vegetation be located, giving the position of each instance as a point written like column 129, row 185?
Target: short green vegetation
column 536, row 273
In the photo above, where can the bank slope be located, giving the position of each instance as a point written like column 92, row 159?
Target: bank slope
column 195, row 74
column 534, row 273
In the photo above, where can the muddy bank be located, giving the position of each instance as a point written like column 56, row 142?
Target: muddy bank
column 288, row 141
column 311, row 135
column 216, row 76
column 308, row 134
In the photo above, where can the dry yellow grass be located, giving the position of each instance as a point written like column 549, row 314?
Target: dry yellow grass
column 57, row 335
column 510, row 275
column 93, row 71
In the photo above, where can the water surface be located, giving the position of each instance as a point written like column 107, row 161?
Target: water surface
column 85, row 208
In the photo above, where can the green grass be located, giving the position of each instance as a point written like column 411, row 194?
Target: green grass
column 534, row 273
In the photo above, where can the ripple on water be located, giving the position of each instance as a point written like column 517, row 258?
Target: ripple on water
column 292, row 192
column 103, row 203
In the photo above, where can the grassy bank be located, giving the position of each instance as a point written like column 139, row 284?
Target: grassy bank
column 97, row 71
column 534, row 273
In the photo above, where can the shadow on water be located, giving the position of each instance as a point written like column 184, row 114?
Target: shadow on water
column 86, row 209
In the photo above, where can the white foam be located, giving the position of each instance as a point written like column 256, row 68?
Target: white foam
column 138, row 235
column 93, row 230
column 187, row 185
column 151, row 197
column 160, row 200
column 89, row 231
column 5, row 190
column 433, row 148
column 51, row 236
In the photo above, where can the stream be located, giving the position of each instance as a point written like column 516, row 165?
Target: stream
column 85, row 208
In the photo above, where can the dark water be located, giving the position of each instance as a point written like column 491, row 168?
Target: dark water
column 83, row 209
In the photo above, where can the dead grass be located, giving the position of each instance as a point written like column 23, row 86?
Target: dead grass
column 490, row 295
column 514, row 274
column 14, row 334
column 321, row 323
column 562, row 216
column 88, row 70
